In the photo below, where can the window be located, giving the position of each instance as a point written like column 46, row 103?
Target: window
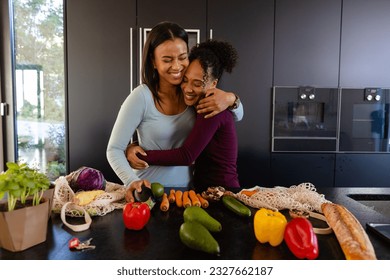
column 37, row 41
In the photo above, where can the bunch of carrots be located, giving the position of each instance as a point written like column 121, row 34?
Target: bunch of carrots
column 182, row 199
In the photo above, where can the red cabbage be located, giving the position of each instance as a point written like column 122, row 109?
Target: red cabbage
column 87, row 179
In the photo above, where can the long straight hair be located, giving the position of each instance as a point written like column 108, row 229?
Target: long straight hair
column 159, row 34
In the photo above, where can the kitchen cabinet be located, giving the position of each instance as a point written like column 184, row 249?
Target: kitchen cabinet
column 364, row 62
column 186, row 13
column 98, row 75
column 294, row 168
column 362, row 169
column 248, row 26
column 365, row 39
column 307, row 42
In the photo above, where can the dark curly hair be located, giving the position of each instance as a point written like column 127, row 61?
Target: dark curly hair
column 215, row 57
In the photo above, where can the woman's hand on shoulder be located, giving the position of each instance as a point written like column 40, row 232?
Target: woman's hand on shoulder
column 131, row 154
column 135, row 186
column 216, row 101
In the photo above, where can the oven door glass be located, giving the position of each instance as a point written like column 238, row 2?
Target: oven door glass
column 364, row 124
column 305, row 119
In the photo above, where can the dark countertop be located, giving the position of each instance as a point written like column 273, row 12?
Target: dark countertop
column 160, row 238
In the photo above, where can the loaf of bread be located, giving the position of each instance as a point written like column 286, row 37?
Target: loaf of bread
column 349, row 232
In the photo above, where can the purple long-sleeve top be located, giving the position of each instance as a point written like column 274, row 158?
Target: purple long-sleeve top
column 212, row 145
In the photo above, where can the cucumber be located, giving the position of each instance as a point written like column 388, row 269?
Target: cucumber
column 236, row 206
column 197, row 237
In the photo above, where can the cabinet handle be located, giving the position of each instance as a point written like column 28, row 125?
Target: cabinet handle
column 131, row 59
column 140, row 54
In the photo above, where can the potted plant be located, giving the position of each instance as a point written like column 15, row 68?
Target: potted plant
column 23, row 214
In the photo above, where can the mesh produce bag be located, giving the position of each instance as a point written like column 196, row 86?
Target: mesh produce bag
column 112, row 198
column 65, row 202
column 303, row 197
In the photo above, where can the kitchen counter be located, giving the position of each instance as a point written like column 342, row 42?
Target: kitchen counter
column 160, row 238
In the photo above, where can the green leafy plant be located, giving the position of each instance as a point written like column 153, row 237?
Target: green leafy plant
column 21, row 182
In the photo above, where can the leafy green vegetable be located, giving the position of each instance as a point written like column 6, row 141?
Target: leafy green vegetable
column 20, row 182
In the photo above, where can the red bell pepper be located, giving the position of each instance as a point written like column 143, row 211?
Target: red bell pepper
column 136, row 215
column 301, row 239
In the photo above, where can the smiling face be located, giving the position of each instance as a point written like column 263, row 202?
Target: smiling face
column 195, row 84
column 171, row 60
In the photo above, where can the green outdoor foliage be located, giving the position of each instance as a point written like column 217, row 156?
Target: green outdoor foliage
column 39, row 37
column 20, row 182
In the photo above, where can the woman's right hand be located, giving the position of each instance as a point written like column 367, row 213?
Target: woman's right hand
column 131, row 154
column 135, row 186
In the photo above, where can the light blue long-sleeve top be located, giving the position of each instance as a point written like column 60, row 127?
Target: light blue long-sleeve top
column 155, row 131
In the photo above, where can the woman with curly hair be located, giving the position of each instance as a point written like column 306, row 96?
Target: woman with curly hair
column 212, row 143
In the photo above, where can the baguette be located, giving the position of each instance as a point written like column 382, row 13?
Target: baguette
column 349, row 232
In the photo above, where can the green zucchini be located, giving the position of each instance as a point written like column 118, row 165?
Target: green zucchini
column 236, row 206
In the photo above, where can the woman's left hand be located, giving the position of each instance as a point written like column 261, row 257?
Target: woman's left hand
column 216, row 101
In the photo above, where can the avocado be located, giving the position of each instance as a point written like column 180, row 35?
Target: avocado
column 197, row 214
column 195, row 236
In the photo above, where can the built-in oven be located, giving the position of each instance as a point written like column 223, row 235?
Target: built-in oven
column 305, row 119
column 364, row 120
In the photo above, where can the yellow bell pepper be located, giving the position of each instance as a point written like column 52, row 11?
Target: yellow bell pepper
column 269, row 226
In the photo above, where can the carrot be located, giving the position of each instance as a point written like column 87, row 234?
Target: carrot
column 179, row 198
column 186, row 200
column 204, row 202
column 194, row 199
column 248, row 193
column 164, row 206
column 171, row 196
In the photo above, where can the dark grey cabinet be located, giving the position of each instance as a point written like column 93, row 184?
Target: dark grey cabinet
column 187, row 13
column 307, row 42
column 365, row 40
column 294, row 168
column 98, row 37
column 248, row 25
column 364, row 62
column 362, row 170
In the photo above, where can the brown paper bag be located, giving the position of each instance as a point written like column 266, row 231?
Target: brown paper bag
column 23, row 228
